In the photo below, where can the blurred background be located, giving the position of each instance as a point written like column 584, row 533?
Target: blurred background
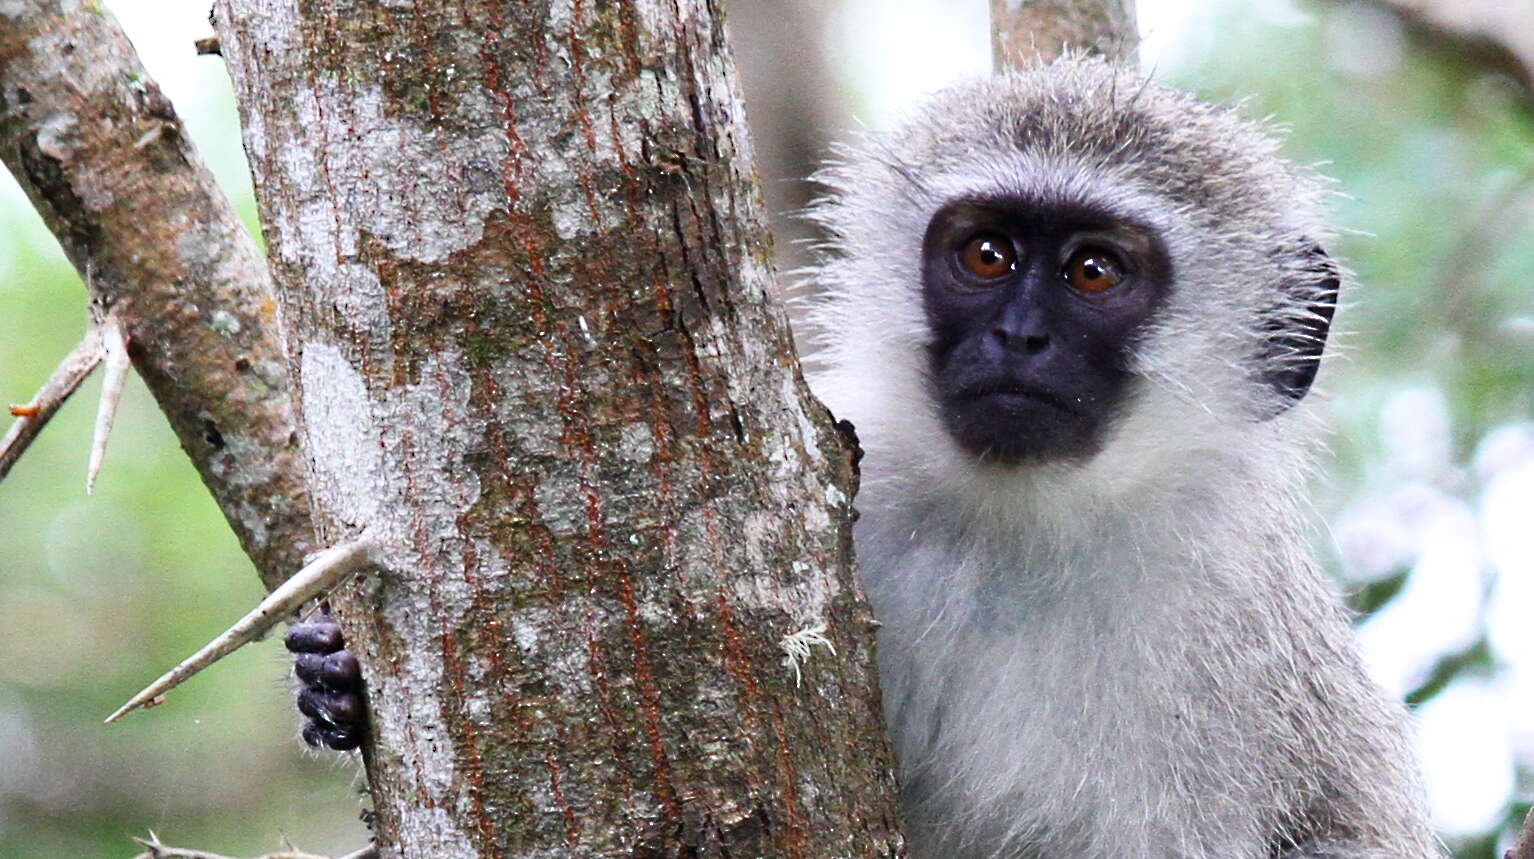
column 1426, row 119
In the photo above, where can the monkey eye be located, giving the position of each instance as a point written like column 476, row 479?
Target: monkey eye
column 1093, row 271
column 988, row 255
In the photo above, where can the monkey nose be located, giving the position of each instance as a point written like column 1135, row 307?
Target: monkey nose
column 1024, row 342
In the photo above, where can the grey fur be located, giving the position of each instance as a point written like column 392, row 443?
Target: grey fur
column 1133, row 656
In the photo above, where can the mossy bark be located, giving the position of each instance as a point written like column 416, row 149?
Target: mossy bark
column 524, row 278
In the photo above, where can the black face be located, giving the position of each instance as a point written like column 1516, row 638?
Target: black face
column 1034, row 309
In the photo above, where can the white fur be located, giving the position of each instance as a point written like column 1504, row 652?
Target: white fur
column 1131, row 656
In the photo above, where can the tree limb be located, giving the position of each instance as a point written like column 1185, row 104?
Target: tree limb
column 101, row 154
column 1496, row 35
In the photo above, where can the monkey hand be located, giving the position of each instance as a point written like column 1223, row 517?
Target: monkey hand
column 331, row 698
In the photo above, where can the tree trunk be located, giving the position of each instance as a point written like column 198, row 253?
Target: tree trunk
column 1024, row 32
column 523, row 276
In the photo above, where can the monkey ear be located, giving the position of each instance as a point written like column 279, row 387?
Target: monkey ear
column 1297, row 332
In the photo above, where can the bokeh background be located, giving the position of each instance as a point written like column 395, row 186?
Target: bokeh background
column 1428, row 494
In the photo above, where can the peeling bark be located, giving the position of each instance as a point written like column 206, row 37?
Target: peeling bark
column 99, row 151
column 1025, row 32
column 520, row 256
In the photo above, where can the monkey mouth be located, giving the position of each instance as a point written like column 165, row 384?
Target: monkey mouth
column 1010, row 392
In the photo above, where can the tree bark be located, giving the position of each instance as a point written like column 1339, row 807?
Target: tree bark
column 524, row 277
column 99, row 151
column 1523, row 847
column 1027, row 32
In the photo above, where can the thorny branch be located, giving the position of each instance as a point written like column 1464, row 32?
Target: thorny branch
column 99, row 151
column 104, row 342
column 328, row 569
column 33, row 415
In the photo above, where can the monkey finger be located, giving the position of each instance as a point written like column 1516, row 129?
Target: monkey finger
column 313, row 734
column 321, row 635
column 340, row 671
column 309, row 668
column 342, row 738
column 333, row 708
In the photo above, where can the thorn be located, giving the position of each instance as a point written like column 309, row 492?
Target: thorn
column 114, row 353
column 324, row 572
column 32, row 416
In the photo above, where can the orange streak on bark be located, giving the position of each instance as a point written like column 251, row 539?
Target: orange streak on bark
column 572, row 830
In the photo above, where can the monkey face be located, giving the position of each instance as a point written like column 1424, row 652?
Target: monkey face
column 1034, row 307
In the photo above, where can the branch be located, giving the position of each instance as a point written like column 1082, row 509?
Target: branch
column 320, row 575
column 103, row 342
column 32, row 416
column 159, row 850
column 1493, row 34
column 1030, row 32
column 101, row 154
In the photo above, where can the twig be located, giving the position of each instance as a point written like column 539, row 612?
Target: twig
column 104, row 342
column 114, row 352
column 31, row 417
column 160, row 850
column 324, row 572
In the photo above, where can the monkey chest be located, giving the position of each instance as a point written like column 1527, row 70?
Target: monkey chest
column 1059, row 728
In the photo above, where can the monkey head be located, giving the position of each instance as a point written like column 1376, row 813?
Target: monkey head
column 1048, row 265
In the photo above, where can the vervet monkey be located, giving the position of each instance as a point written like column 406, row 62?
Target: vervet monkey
column 1071, row 315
